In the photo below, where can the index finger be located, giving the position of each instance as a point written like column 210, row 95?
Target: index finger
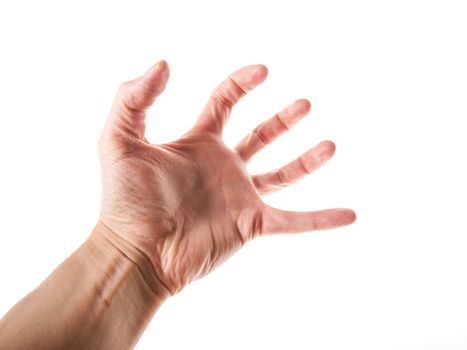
column 217, row 110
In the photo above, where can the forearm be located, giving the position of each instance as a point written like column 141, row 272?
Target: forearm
column 101, row 297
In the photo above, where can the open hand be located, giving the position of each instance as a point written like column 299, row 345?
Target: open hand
column 189, row 204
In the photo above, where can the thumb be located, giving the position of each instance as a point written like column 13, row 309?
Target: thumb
column 134, row 97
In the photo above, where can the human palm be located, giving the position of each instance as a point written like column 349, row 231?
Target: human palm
column 189, row 204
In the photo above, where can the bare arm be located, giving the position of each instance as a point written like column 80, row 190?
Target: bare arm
column 170, row 213
column 101, row 297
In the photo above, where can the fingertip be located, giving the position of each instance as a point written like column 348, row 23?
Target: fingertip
column 261, row 69
column 323, row 151
column 141, row 92
column 329, row 145
column 158, row 77
column 250, row 76
column 163, row 63
column 347, row 216
column 295, row 111
column 266, row 70
column 160, row 69
column 164, row 66
column 304, row 104
column 259, row 73
column 352, row 216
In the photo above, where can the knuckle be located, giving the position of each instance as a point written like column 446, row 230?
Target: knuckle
column 125, row 95
column 258, row 182
column 281, row 176
column 261, row 135
column 281, row 122
column 221, row 96
column 301, row 161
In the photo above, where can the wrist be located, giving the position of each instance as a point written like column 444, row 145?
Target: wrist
column 109, row 249
column 101, row 297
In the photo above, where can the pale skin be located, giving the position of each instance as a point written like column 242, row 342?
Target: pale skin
column 170, row 214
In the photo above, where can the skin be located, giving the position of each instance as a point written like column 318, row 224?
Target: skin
column 170, row 214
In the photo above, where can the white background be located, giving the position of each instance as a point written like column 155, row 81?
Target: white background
column 388, row 83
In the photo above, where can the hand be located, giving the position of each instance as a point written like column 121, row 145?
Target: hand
column 189, row 204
